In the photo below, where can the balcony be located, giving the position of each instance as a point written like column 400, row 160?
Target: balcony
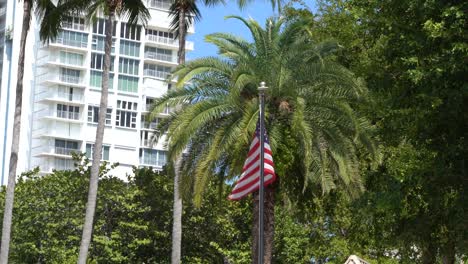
column 65, row 61
column 161, row 58
column 61, row 79
column 56, row 151
column 152, row 162
column 65, row 151
column 68, row 115
column 149, row 125
column 62, row 96
column 60, row 115
column 166, row 42
column 155, row 74
column 69, row 44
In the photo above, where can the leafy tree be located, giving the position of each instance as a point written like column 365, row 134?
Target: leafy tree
column 218, row 110
column 410, row 54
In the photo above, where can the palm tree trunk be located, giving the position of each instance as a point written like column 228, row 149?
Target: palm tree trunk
column 10, row 192
column 177, row 216
column 269, row 225
column 97, row 153
column 177, row 209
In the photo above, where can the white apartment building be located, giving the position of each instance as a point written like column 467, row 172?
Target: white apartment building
column 62, row 84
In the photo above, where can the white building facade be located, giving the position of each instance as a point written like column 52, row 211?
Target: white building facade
column 62, row 84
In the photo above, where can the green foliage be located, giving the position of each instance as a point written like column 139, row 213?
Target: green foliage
column 412, row 55
column 218, row 109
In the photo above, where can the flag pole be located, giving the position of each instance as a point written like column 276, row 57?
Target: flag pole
column 261, row 91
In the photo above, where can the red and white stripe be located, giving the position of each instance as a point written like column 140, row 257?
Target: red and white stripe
column 250, row 178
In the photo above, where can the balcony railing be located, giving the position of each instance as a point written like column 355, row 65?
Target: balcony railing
column 65, row 151
column 152, row 162
column 71, row 42
column 159, row 4
column 155, row 73
column 161, row 57
column 62, row 96
column 149, row 125
column 69, row 79
column 64, row 164
column 68, row 115
column 76, row 97
column 67, row 60
column 162, row 40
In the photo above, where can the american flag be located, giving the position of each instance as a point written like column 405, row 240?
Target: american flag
column 249, row 180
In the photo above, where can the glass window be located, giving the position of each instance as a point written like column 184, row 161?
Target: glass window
column 97, row 61
column 128, row 84
column 159, row 54
column 129, row 48
column 130, row 32
column 161, row 4
column 93, row 115
column 75, row 23
column 160, row 36
column 126, row 114
column 98, row 42
column 129, row 66
column 90, row 150
column 99, row 27
column 69, row 75
column 157, row 71
column 71, row 58
column 71, row 38
column 153, row 157
column 68, row 111
column 65, row 147
column 95, row 80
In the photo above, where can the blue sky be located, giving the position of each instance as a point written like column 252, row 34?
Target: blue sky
column 213, row 21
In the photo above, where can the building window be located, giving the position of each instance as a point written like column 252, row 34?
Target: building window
column 99, row 27
column 71, row 58
column 159, row 54
column 68, row 93
column 90, row 150
column 153, row 157
column 93, row 115
column 129, row 48
column 161, row 4
column 149, row 125
column 95, row 79
column 126, row 114
column 64, row 164
column 160, row 36
column 68, row 111
column 98, row 44
column 97, row 62
column 69, row 75
column 128, row 84
column 66, row 147
column 129, row 66
column 157, row 71
column 71, row 38
column 75, row 23
column 130, row 32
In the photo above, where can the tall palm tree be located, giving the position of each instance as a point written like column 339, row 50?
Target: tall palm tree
column 309, row 114
column 50, row 15
column 135, row 11
column 183, row 14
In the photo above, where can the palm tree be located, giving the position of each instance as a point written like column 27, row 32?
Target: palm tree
column 310, row 114
column 50, row 15
column 135, row 11
column 183, row 13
